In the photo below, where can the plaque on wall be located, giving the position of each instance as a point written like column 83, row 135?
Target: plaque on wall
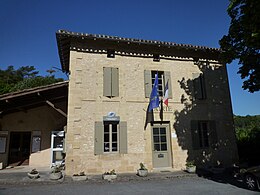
column 36, row 144
column 2, row 144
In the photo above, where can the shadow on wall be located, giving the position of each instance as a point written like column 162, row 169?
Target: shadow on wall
column 205, row 126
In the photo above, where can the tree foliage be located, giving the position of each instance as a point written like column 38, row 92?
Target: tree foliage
column 248, row 138
column 23, row 78
column 243, row 41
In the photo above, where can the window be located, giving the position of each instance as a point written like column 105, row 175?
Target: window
column 204, row 134
column 161, row 81
column 199, row 86
column 110, row 137
column 110, row 82
column 163, row 77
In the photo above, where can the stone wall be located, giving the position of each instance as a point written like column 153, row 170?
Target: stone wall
column 87, row 104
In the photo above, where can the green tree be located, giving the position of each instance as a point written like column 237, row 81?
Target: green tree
column 23, row 78
column 248, row 136
column 243, row 41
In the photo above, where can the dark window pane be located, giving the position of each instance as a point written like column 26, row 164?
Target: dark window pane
column 155, row 131
column 106, row 137
column 114, row 146
column 106, row 128
column 155, row 139
column 58, row 142
column 114, row 127
column 106, row 147
column 163, row 138
column 157, row 147
column 114, row 137
column 162, row 131
column 163, row 147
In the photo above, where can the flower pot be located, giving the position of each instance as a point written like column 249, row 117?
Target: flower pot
column 191, row 169
column 79, row 178
column 33, row 175
column 56, row 176
column 109, row 177
column 142, row 173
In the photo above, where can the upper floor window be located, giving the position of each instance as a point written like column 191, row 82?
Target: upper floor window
column 110, row 82
column 163, row 77
column 199, row 86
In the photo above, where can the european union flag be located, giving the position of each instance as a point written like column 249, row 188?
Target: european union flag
column 154, row 97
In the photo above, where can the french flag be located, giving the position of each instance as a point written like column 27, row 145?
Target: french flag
column 166, row 94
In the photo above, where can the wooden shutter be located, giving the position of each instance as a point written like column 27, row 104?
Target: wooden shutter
column 107, row 81
column 195, row 135
column 147, row 83
column 123, row 137
column 99, row 138
column 115, row 82
column 197, row 86
column 167, row 77
column 213, row 136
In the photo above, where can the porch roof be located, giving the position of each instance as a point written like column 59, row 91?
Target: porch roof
column 33, row 97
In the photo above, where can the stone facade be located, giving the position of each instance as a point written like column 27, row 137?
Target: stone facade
column 86, row 105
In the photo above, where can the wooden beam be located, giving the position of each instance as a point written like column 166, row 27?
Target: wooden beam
column 57, row 109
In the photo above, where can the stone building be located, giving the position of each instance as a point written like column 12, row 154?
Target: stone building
column 109, row 88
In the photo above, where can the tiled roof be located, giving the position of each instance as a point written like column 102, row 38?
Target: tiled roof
column 65, row 37
column 142, row 41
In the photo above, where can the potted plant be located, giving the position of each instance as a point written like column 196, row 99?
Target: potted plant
column 111, row 175
column 79, row 177
column 190, row 167
column 33, row 174
column 142, row 172
column 56, row 172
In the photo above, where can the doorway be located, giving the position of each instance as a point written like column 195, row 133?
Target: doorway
column 161, row 146
column 19, row 148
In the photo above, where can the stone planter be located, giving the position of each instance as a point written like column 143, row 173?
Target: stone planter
column 79, row 178
column 191, row 169
column 56, row 176
column 142, row 173
column 109, row 177
column 33, row 175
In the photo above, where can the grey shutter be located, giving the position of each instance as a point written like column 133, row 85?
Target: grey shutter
column 147, row 83
column 123, row 137
column 197, row 86
column 107, row 81
column 167, row 77
column 195, row 135
column 99, row 138
column 213, row 136
column 115, row 82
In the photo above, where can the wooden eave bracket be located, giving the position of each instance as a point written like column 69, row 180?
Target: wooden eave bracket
column 57, row 109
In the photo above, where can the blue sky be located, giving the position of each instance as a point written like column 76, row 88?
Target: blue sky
column 27, row 35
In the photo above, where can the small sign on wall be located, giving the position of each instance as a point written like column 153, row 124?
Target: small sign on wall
column 36, row 143
column 2, row 144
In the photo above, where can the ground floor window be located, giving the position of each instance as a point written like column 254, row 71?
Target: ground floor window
column 204, row 134
column 110, row 137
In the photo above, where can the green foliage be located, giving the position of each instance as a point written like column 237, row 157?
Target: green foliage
column 243, row 41
column 25, row 77
column 142, row 166
column 248, row 138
